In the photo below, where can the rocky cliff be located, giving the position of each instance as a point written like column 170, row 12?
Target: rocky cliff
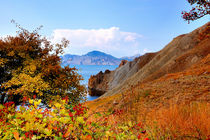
column 181, row 53
column 103, row 82
column 98, row 84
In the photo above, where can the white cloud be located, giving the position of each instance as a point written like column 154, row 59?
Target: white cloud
column 146, row 51
column 111, row 40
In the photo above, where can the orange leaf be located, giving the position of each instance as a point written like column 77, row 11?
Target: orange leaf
column 67, row 134
column 88, row 137
column 16, row 135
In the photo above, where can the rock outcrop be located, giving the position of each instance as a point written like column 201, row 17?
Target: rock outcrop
column 181, row 53
column 98, row 84
column 123, row 62
column 103, row 82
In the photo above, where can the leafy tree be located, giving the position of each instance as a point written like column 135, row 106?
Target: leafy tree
column 30, row 66
column 202, row 8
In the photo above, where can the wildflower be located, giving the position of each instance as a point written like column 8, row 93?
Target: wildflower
column 70, row 114
column 139, row 136
column 143, row 132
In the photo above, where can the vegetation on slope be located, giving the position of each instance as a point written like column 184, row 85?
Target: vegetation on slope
column 174, row 106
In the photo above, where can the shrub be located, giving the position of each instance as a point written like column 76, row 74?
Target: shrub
column 30, row 65
column 62, row 121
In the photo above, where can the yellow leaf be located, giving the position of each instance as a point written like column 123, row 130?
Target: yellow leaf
column 1, row 106
column 32, row 68
column 80, row 119
column 6, row 135
column 11, row 53
column 27, row 127
column 48, row 132
column 31, row 101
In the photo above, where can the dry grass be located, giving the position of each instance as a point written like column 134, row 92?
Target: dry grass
column 181, row 121
column 175, row 106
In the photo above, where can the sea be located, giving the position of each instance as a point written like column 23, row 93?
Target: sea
column 87, row 70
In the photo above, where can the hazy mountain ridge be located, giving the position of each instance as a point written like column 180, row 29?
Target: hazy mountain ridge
column 93, row 58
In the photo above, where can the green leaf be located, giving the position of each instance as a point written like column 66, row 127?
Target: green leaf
column 80, row 119
column 57, row 138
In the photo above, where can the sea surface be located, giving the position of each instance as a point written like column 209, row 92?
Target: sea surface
column 87, row 70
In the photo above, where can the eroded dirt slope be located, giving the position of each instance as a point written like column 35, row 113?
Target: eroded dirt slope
column 178, row 55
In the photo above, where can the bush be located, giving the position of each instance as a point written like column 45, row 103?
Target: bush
column 30, row 66
column 62, row 121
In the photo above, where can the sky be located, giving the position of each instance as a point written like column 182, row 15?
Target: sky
column 117, row 27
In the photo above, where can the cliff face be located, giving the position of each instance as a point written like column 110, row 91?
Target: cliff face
column 181, row 53
column 103, row 82
column 190, row 85
column 123, row 62
column 98, row 84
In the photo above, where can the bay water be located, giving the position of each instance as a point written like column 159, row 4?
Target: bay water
column 87, row 70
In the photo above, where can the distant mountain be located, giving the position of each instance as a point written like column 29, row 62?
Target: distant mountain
column 94, row 58
column 130, row 58
column 91, row 58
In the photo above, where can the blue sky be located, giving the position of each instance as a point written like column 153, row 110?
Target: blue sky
column 117, row 27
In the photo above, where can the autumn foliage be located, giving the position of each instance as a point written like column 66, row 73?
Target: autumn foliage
column 30, row 66
column 175, row 106
column 62, row 121
column 185, row 121
column 201, row 9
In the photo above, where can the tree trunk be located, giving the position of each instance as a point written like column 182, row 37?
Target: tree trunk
column 2, row 98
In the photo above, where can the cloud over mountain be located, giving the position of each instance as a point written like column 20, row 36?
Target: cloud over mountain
column 111, row 40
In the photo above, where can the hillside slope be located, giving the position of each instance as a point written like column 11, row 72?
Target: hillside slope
column 173, row 101
column 192, row 84
column 103, row 82
column 181, row 53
